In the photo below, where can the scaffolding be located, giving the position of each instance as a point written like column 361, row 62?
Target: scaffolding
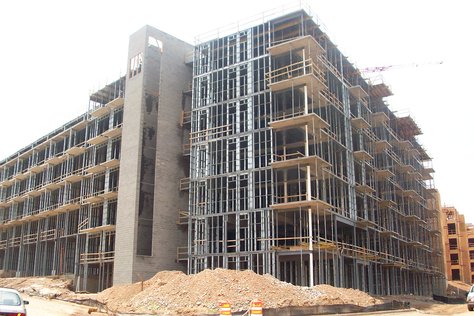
column 302, row 171
column 58, row 198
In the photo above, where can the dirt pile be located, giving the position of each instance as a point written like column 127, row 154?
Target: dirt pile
column 175, row 292
column 39, row 286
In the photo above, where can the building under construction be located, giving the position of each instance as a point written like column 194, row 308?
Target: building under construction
column 266, row 150
column 300, row 169
column 458, row 241
column 63, row 209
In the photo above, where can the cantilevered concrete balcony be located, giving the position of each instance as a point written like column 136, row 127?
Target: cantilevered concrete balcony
column 39, row 167
column 364, row 222
column 68, row 206
column 19, row 198
column 302, row 73
column 100, row 196
column 380, row 90
column 96, row 140
column 33, row 193
column 383, row 174
column 296, row 205
column 56, row 159
column 100, row 111
column 24, row 175
column 113, row 132
column 95, row 169
column 364, row 189
column 80, row 125
column 297, row 160
column 307, row 43
column 362, row 155
column 52, row 185
column 106, row 108
column 412, row 218
column 74, row 177
column 381, row 145
column 359, row 123
column 426, row 173
column 313, row 121
column 387, row 232
column 7, row 182
column 75, row 150
column 405, row 168
column 52, row 211
column 386, row 203
column 410, row 193
column 414, row 243
column 405, row 144
column 91, row 199
column 115, row 103
column 109, row 195
column 378, row 118
column 111, row 163
column 98, row 229
column 358, row 92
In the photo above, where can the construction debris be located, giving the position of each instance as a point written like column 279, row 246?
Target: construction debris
column 43, row 287
column 176, row 292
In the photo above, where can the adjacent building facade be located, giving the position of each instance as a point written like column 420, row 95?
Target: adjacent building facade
column 458, row 239
column 265, row 150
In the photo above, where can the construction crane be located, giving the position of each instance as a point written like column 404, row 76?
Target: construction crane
column 369, row 70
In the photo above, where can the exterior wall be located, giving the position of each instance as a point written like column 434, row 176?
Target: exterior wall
column 458, row 249
column 152, row 164
column 470, row 247
column 128, row 197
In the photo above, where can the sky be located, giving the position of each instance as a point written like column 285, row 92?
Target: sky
column 55, row 53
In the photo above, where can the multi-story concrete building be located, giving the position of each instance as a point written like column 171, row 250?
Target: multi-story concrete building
column 290, row 164
column 63, row 209
column 300, row 169
column 458, row 239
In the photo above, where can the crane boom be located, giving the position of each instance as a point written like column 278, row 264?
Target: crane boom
column 388, row 67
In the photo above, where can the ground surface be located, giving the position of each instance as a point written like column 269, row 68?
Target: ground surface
column 41, row 307
column 49, row 307
column 173, row 292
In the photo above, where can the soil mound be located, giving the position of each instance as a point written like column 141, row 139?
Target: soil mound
column 176, row 292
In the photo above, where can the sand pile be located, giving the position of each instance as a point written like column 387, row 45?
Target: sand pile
column 39, row 286
column 175, row 292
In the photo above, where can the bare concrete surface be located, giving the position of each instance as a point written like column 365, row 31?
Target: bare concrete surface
column 449, row 311
column 429, row 309
column 40, row 307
